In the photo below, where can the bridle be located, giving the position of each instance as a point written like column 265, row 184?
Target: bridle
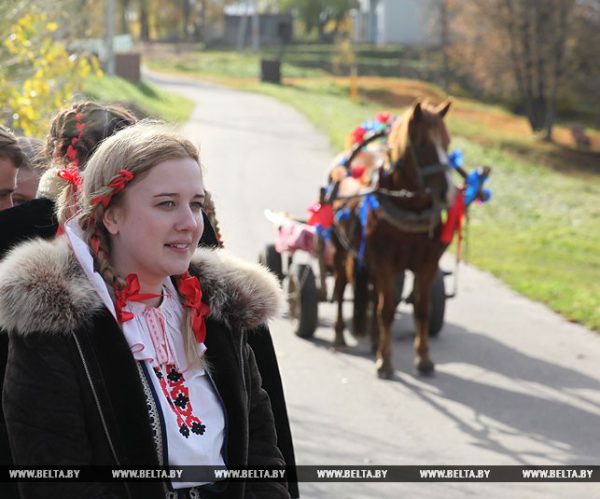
column 422, row 172
column 403, row 219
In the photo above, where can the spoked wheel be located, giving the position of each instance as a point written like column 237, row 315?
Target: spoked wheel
column 303, row 300
column 272, row 260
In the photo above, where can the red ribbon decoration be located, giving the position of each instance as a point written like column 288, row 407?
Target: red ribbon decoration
column 320, row 214
column 189, row 288
column 454, row 221
column 131, row 292
column 118, row 184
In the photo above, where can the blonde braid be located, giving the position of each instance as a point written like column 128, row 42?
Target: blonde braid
column 96, row 237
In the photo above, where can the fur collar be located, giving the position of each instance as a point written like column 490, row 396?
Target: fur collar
column 43, row 288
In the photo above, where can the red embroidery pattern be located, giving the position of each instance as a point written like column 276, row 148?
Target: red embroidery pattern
column 177, row 394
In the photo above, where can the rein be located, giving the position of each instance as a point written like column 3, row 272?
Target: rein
column 403, row 219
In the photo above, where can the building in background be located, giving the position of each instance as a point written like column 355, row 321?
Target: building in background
column 273, row 28
column 405, row 22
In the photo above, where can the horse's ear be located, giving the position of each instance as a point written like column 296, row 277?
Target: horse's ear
column 417, row 112
column 443, row 108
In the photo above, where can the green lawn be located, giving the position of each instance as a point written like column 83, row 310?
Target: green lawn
column 151, row 100
column 540, row 233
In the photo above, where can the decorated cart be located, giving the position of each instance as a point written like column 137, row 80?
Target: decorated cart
column 302, row 252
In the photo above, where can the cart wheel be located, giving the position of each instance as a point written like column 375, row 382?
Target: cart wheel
column 438, row 305
column 272, row 260
column 303, row 299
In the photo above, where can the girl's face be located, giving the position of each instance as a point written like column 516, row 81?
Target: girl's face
column 157, row 224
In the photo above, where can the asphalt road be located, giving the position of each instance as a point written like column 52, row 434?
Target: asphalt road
column 515, row 383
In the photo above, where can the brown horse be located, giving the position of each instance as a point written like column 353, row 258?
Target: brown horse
column 402, row 232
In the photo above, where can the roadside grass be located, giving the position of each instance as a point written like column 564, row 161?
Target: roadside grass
column 541, row 231
column 153, row 101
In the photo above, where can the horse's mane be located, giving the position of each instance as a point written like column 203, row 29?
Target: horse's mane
column 398, row 140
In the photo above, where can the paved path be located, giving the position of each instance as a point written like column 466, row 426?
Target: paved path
column 515, row 383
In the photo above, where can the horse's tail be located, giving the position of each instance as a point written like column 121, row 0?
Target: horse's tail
column 361, row 298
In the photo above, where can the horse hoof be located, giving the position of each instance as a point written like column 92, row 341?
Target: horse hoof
column 385, row 372
column 339, row 344
column 425, row 367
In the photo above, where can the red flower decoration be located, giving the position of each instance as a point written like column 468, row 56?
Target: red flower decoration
column 358, row 135
column 131, row 292
column 383, row 117
column 358, row 171
column 189, row 288
column 118, row 184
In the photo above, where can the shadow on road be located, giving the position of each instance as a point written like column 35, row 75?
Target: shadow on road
column 556, row 416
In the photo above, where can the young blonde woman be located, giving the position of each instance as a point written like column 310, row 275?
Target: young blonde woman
column 128, row 343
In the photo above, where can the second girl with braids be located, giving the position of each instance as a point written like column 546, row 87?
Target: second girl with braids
column 127, row 343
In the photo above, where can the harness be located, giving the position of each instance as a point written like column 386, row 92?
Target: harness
column 381, row 199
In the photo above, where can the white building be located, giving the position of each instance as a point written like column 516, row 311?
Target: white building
column 405, row 22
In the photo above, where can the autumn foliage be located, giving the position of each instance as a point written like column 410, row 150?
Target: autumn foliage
column 38, row 75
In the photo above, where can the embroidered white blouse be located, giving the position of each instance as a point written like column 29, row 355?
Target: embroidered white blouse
column 193, row 416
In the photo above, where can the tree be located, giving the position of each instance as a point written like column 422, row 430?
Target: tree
column 523, row 39
column 39, row 75
column 144, row 17
column 324, row 15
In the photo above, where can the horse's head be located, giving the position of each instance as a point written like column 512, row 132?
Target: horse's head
column 418, row 145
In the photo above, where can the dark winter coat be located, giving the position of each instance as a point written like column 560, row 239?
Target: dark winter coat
column 37, row 218
column 72, row 393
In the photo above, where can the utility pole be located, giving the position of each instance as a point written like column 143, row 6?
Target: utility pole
column 255, row 28
column 109, row 24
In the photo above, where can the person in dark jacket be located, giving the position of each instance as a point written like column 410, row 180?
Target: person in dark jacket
column 11, row 158
column 139, row 340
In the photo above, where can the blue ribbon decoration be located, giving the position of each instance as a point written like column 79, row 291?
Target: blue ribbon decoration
column 456, row 158
column 368, row 204
column 475, row 181
column 342, row 214
column 323, row 232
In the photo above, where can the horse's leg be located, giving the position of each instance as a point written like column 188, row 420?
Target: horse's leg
column 422, row 299
column 386, row 306
column 341, row 279
column 374, row 326
column 322, row 268
column 361, row 298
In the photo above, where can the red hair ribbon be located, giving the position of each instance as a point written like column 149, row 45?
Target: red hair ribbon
column 71, row 174
column 95, row 242
column 118, row 184
column 72, row 154
column 131, row 292
column 71, row 151
column 189, row 288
